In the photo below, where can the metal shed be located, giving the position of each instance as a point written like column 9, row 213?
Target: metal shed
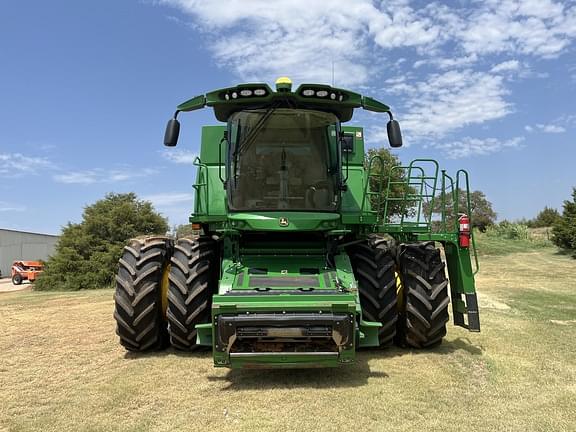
column 21, row 245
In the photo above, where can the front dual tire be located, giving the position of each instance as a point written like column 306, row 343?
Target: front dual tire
column 413, row 313
column 163, row 290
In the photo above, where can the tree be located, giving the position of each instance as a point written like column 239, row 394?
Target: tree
column 546, row 218
column 564, row 231
column 185, row 230
column 398, row 190
column 481, row 213
column 87, row 253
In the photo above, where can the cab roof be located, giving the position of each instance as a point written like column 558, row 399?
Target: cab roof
column 320, row 97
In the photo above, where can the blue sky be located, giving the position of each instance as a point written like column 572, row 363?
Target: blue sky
column 87, row 87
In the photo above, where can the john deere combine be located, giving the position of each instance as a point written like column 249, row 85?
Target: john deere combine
column 307, row 249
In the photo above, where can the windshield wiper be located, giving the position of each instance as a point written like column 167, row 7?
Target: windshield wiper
column 251, row 136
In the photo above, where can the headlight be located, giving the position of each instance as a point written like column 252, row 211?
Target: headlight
column 308, row 92
column 321, row 93
column 246, row 92
column 260, row 92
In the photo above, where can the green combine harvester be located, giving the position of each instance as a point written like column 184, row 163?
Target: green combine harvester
column 307, row 249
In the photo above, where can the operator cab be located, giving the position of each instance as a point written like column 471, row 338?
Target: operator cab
column 283, row 159
column 284, row 147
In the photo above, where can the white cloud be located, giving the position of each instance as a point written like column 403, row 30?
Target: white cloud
column 263, row 39
column 101, row 175
column 180, row 156
column 507, row 66
column 550, row 128
column 468, row 146
column 17, row 164
column 546, row 128
column 448, row 101
column 540, row 28
column 169, row 198
column 466, row 50
column 11, row 207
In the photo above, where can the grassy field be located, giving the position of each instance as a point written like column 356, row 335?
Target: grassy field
column 61, row 369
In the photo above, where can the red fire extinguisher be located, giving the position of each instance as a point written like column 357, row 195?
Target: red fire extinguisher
column 464, row 231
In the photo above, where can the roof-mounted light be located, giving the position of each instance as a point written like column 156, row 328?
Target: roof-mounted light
column 283, row 84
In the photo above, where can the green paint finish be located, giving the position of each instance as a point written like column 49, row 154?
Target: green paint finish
column 373, row 105
column 289, row 361
column 369, row 334
column 204, row 334
column 211, row 137
column 230, row 303
column 284, row 221
column 228, row 100
column 460, row 270
column 195, row 103
column 276, row 261
column 356, row 156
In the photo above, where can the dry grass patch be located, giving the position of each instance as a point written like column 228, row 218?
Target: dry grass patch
column 61, row 369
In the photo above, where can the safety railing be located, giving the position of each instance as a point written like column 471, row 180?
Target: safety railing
column 417, row 198
column 201, row 206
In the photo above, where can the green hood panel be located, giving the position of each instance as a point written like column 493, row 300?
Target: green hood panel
column 284, row 221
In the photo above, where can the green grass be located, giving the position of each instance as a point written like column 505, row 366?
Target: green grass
column 491, row 245
column 62, row 369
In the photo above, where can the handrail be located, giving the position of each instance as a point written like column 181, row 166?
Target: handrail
column 464, row 173
column 423, row 187
column 198, row 163
column 367, row 190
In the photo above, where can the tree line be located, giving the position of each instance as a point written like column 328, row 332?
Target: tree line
column 87, row 253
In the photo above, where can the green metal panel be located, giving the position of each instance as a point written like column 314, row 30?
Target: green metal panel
column 352, row 196
column 274, row 221
column 211, row 137
column 356, row 157
column 195, row 103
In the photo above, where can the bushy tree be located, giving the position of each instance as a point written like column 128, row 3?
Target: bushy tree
column 564, row 231
column 546, row 218
column 87, row 253
column 482, row 215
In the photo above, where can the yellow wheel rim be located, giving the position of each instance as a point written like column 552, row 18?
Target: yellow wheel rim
column 399, row 291
column 165, row 283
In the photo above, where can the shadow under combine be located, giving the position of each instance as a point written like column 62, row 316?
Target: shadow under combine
column 354, row 375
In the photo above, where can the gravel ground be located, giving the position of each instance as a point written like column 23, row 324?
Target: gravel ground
column 6, row 285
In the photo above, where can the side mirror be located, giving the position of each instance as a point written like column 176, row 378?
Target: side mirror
column 394, row 134
column 172, row 132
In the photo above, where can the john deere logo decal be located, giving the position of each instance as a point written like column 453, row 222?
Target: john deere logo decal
column 283, row 221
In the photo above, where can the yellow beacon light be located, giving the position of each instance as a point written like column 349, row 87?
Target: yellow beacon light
column 283, row 84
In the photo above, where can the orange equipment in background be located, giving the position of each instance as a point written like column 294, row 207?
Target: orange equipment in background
column 26, row 270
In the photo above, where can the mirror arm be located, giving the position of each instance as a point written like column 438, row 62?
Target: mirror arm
column 176, row 114
column 390, row 114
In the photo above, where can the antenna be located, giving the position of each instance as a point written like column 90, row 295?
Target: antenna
column 332, row 72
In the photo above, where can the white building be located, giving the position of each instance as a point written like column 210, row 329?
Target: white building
column 20, row 245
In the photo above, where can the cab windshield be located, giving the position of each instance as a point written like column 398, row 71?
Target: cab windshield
column 283, row 159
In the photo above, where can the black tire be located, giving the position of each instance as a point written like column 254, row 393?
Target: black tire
column 426, row 300
column 193, row 281
column 374, row 266
column 17, row 279
column 138, row 311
